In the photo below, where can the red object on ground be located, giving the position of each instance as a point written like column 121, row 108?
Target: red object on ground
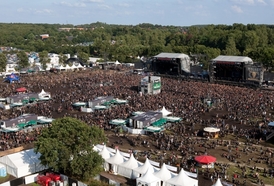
column 54, row 177
column 22, row 89
column 43, row 180
column 205, row 159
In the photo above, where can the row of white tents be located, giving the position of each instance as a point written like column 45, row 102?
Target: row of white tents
column 144, row 173
column 67, row 67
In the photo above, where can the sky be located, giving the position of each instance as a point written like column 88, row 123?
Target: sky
column 133, row 12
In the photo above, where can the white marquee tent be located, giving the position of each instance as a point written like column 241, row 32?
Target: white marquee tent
column 115, row 161
column 44, row 95
column 126, row 169
column 165, row 112
column 22, row 163
column 182, row 180
column 218, row 183
column 117, row 62
column 143, row 169
column 148, row 179
column 74, row 66
column 164, row 174
column 105, row 155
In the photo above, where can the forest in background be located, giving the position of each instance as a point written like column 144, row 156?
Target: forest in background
column 126, row 42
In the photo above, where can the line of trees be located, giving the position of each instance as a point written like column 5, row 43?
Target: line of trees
column 125, row 42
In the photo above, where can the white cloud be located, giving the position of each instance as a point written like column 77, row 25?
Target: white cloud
column 93, row 1
column 237, row 9
column 64, row 3
column 43, row 11
column 244, row 2
column 124, row 5
column 262, row 2
column 104, row 6
column 80, row 4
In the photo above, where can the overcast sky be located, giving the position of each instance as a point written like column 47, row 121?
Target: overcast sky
column 133, row 12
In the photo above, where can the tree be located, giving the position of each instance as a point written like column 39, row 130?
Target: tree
column 23, row 60
column 44, row 59
column 3, row 62
column 62, row 59
column 67, row 147
column 83, row 56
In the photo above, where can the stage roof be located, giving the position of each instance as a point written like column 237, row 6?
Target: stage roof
column 242, row 59
column 171, row 55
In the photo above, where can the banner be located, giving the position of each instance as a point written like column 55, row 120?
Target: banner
column 156, row 86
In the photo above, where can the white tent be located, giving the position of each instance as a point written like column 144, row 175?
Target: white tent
column 22, row 163
column 67, row 67
column 165, row 112
column 73, row 66
column 105, row 155
column 126, row 169
column 218, row 183
column 164, row 174
column 148, row 179
column 115, row 160
column 143, row 169
column 117, row 62
column 60, row 67
column 80, row 66
column 44, row 95
column 182, row 180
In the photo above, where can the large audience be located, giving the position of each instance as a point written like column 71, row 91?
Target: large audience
column 243, row 111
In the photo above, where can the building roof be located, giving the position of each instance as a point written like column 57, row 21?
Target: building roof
column 171, row 55
column 152, row 78
column 241, row 59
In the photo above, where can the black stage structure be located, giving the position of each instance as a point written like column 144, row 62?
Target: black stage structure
column 171, row 64
column 236, row 69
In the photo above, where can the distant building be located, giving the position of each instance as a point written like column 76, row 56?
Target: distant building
column 44, row 36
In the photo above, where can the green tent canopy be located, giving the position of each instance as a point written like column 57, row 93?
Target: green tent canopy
column 173, row 119
column 153, row 129
column 79, row 104
column 159, row 122
column 32, row 122
column 100, row 107
column 118, row 122
column 120, row 101
column 137, row 113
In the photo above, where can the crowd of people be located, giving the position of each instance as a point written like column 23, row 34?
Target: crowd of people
column 241, row 111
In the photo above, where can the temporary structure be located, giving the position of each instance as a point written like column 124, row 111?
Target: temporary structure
column 182, row 180
column 115, row 161
column 213, row 130
column 148, row 179
column 105, row 155
column 165, row 112
column 164, row 174
column 22, row 163
column 143, row 169
column 218, row 183
column 21, row 89
column 205, row 159
column 117, row 62
column 44, row 95
column 3, row 171
column 126, row 169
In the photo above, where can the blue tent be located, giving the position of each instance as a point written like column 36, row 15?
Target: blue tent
column 12, row 77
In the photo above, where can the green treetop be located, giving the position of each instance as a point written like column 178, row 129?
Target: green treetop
column 67, row 147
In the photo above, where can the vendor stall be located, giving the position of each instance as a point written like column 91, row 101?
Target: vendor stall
column 212, row 131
